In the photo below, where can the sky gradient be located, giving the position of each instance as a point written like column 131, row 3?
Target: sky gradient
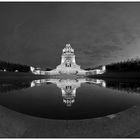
column 100, row 33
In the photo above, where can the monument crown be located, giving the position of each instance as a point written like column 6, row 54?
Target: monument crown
column 68, row 49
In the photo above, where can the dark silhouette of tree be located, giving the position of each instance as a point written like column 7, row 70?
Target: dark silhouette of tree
column 131, row 65
column 12, row 67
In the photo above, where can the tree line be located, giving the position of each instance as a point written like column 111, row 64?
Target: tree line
column 13, row 67
column 130, row 65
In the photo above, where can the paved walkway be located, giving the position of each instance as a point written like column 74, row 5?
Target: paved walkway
column 123, row 124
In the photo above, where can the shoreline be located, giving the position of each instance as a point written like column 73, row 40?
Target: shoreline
column 20, row 76
column 30, row 76
column 117, row 75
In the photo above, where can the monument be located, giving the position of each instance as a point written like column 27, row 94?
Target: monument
column 68, row 64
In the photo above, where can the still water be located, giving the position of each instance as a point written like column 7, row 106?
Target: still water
column 69, row 98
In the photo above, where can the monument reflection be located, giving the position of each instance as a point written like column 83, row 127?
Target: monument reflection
column 68, row 86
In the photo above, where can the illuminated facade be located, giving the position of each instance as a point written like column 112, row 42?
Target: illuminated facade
column 100, row 70
column 37, row 71
column 68, row 64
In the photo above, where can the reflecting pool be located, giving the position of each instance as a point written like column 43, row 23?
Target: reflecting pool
column 68, row 99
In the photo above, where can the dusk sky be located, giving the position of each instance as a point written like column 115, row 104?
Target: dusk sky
column 100, row 33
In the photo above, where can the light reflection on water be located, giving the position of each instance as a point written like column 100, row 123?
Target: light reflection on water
column 70, row 98
column 68, row 86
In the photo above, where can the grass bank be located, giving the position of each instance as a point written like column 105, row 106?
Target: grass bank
column 19, row 76
column 117, row 75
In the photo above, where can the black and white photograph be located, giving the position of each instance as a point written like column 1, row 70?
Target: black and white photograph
column 69, row 69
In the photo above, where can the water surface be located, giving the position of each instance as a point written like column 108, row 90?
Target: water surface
column 69, row 98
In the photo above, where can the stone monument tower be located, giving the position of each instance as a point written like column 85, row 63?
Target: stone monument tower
column 68, row 64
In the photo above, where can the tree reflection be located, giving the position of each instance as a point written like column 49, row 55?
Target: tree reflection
column 7, row 86
column 129, row 86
